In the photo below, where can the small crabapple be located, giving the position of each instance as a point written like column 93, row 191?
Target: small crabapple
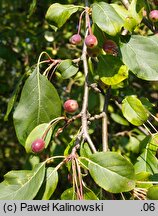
column 75, row 39
column 91, row 41
column 110, row 47
column 153, row 15
column 70, row 106
column 38, row 145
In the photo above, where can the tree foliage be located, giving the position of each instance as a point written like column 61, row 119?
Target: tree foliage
column 108, row 147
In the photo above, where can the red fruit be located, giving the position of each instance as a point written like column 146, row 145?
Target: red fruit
column 110, row 47
column 75, row 39
column 70, row 106
column 153, row 15
column 38, row 145
column 91, row 41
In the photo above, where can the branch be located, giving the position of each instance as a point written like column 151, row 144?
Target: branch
column 84, row 118
column 105, row 122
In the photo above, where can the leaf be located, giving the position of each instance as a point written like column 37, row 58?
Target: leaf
column 106, row 18
column 152, row 193
column 88, row 194
column 51, row 183
column 39, row 103
column 134, row 111
column 13, row 98
column 36, row 133
column 22, row 184
column 67, row 69
column 32, row 8
column 69, row 194
column 131, row 17
column 57, row 14
column 140, row 54
column 85, row 151
column 146, row 162
column 133, row 145
column 111, row 70
column 117, row 118
column 153, row 144
column 112, row 172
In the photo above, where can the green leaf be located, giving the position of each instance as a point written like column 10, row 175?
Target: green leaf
column 146, row 162
column 51, row 183
column 140, row 54
column 152, row 193
column 69, row 194
column 133, row 144
column 36, row 133
column 67, row 69
column 111, row 70
column 153, row 144
column 107, row 19
column 32, row 9
column 57, row 14
column 39, row 103
column 88, row 194
column 85, row 151
column 112, row 172
column 13, row 98
column 134, row 111
column 117, row 118
column 133, row 18
column 130, row 17
column 22, row 184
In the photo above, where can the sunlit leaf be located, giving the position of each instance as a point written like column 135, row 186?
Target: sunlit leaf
column 57, row 14
column 111, row 70
column 134, row 111
column 37, row 133
column 67, row 69
column 152, row 193
column 22, row 184
column 112, row 172
column 106, row 18
column 146, row 162
column 51, row 182
column 140, row 54
column 39, row 103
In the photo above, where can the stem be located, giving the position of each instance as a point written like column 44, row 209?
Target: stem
column 75, row 179
column 152, row 126
column 80, row 19
column 125, row 3
column 54, row 121
column 105, row 122
column 84, row 119
column 79, row 178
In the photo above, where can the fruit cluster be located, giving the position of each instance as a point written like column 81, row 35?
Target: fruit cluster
column 109, row 46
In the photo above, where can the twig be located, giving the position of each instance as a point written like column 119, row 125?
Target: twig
column 85, row 97
column 125, row 3
column 105, row 122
